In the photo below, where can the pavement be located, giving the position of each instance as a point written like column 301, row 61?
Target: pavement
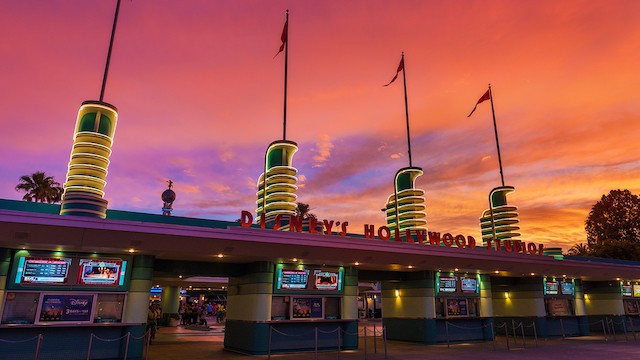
column 199, row 343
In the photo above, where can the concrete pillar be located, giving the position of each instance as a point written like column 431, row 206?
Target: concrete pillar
column 5, row 260
column 139, row 287
column 170, row 299
column 349, row 306
column 486, row 297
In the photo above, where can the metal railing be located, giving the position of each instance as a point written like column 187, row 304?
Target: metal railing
column 339, row 333
column 514, row 328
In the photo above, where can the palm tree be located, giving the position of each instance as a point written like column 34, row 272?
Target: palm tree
column 303, row 209
column 581, row 249
column 40, row 188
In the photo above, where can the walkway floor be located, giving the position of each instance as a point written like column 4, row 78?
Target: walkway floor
column 181, row 343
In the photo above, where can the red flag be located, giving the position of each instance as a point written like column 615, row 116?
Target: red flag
column 400, row 68
column 285, row 33
column 485, row 97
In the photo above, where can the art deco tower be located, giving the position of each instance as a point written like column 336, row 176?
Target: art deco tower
column 405, row 207
column 277, row 184
column 500, row 221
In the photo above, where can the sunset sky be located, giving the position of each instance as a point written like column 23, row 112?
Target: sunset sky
column 200, row 97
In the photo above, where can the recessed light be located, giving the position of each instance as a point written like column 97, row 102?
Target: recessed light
column 220, row 255
column 356, row 263
column 131, row 250
column 294, row 259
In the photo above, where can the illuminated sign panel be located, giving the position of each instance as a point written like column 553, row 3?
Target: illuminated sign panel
column 636, row 290
column 468, row 285
column 293, row 279
column 448, row 284
column 627, row 290
column 32, row 270
column 551, row 287
column 326, row 280
column 101, row 272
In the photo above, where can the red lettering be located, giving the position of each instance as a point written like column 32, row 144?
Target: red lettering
column 471, row 242
column 262, row 221
column 246, row 219
column 489, row 245
column 434, row 238
column 447, row 239
column 344, row 228
column 507, row 246
column 313, row 223
column 396, row 233
column 541, row 249
column 420, row 235
column 387, row 232
column 295, row 223
column 516, row 246
column 408, row 235
column 276, row 226
column 328, row 225
column 369, row 231
column 461, row 242
column 532, row 248
column 498, row 245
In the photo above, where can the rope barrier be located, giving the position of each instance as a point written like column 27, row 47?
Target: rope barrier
column 328, row 332
column 141, row 337
column 19, row 341
column 292, row 335
column 109, row 340
column 468, row 328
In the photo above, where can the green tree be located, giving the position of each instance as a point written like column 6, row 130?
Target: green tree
column 303, row 210
column 580, row 249
column 613, row 226
column 39, row 187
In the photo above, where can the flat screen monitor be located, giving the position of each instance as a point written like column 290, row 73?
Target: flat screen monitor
column 102, row 272
column 566, row 288
column 468, row 284
column 448, row 284
column 551, row 288
column 293, row 279
column 42, row 270
column 636, row 290
column 627, row 290
column 326, row 280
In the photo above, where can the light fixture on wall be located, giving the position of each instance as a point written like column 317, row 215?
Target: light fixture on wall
column 397, row 293
column 506, row 295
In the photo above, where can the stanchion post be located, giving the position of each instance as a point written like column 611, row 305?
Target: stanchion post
column 624, row 328
column 633, row 330
column 37, row 355
column 446, row 331
column 506, row 334
column 613, row 330
column 493, row 336
column 269, row 346
column 604, row 330
column 535, row 332
column 148, row 344
column 375, row 345
column 384, row 340
column 89, row 350
column 365, row 341
column 126, row 346
column 562, row 328
column 513, row 328
column 315, row 334
column 524, row 344
column 339, row 342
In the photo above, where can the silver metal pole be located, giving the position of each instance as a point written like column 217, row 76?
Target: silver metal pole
column 624, row 328
column 613, row 330
column 506, row 334
column 365, row 341
column 126, row 347
column 37, row 355
column 384, row 340
column 633, row 330
column 375, row 345
column 269, row 347
column 604, row 330
column 535, row 332
column 446, row 327
column 513, row 327
column 89, row 350
column 562, row 327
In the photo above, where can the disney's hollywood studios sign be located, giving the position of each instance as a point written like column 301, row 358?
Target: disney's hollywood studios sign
column 420, row 237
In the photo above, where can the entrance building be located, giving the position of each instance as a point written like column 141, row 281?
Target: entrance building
column 66, row 277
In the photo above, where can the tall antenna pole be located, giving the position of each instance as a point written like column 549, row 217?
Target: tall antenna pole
column 286, row 63
column 406, row 106
column 113, row 34
column 495, row 129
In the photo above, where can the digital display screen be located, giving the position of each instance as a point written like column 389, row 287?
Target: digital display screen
column 448, row 284
column 567, row 288
column 293, row 279
column 326, row 280
column 32, row 270
column 627, row 290
column 306, row 308
column 551, row 288
column 636, row 290
column 101, row 272
column 469, row 284
column 62, row 307
column 457, row 307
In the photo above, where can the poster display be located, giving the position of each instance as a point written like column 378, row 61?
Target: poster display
column 101, row 272
column 457, row 307
column 468, row 284
column 559, row 307
column 631, row 307
column 306, row 308
column 567, row 288
column 66, row 307
column 41, row 270
column 636, row 290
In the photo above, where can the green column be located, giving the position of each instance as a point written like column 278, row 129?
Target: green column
column 350, row 299
column 138, row 295
column 408, row 307
column 170, row 301
column 5, row 260
column 486, row 297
